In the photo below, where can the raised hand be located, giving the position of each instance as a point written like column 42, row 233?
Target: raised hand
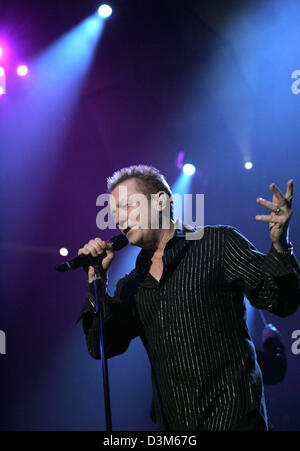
column 281, row 212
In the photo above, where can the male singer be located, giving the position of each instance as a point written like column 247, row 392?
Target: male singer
column 185, row 299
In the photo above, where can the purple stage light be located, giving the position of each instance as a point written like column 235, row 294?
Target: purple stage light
column 179, row 161
column 22, row 70
column 2, row 81
column 1, row 51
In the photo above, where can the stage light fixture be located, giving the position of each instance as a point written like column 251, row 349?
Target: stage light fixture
column 104, row 11
column 189, row 169
column 248, row 165
column 22, row 70
column 2, row 81
column 63, row 251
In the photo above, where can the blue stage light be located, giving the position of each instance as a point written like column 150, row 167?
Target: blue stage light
column 248, row 165
column 105, row 11
column 189, row 169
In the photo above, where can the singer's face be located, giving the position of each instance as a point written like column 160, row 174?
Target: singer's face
column 131, row 210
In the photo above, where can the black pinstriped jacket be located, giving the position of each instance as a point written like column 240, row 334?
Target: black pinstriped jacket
column 192, row 323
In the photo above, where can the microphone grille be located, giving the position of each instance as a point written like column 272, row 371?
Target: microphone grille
column 118, row 242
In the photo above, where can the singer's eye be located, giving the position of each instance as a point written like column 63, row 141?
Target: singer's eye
column 132, row 203
column 124, row 206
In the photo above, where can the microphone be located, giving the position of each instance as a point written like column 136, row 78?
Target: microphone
column 118, row 242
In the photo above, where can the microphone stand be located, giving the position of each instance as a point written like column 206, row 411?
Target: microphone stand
column 263, row 317
column 100, row 285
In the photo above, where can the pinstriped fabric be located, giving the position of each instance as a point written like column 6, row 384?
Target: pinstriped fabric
column 195, row 331
column 189, row 353
column 193, row 326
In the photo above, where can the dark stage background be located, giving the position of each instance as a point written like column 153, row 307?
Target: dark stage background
column 211, row 79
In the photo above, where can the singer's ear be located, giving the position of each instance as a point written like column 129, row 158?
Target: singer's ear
column 161, row 200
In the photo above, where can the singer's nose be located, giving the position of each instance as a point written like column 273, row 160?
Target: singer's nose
column 121, row 220
column 116, row 218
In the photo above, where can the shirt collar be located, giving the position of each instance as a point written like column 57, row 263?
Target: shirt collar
column 173, row 249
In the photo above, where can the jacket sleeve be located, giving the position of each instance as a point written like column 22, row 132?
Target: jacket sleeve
column 119, row 323
column 270, row 282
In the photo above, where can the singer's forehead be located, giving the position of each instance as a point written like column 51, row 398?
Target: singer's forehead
column 123, row 191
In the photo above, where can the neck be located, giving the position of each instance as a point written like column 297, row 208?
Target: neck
column 159, row 243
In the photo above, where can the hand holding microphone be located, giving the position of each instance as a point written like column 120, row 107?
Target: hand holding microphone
column 94, row 251
column 96, row 248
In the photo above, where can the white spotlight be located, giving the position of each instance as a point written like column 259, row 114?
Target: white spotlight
column 63, row 252
column 248, row 165
column 104, row 11
column 189, row 169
